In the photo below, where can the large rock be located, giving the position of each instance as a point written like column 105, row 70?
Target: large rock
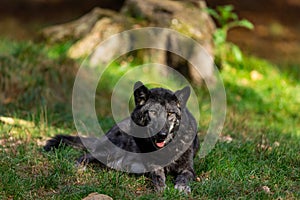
column 107, row 25
column 78, row 29
column 187, row 17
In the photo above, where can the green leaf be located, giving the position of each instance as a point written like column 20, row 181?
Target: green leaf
column 226, row 14
column 213, row 13
column 246, row 24
column 225, row 8
column 237, row 53
column 220, row 36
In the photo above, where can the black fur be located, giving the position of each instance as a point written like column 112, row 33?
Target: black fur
column 162, row 112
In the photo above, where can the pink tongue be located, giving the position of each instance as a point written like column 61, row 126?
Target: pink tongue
column 160, row 144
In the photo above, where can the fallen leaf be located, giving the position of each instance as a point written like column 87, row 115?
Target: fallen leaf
column 266, row 189
column 276, row 144
column 226, row 138
column 203, row 177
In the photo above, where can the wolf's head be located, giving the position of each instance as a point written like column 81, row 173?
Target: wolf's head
column 160, row 110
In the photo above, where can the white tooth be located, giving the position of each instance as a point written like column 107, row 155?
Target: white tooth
column 171, row 127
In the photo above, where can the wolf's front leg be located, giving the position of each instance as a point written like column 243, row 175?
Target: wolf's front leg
column 183, row 179
column 85, row 159
column 158, row 178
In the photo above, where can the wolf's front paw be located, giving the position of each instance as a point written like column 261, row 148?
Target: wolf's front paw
column 160, row 188
column 183, row 188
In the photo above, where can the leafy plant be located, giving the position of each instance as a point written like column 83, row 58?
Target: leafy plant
column 226, row 19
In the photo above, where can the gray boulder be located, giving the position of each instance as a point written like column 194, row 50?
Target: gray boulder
column 187, row 17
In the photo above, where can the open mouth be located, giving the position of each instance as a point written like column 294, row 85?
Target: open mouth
column 163, row 141
column 160, row 144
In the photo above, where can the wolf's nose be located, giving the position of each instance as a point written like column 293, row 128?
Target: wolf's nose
column 162, row 134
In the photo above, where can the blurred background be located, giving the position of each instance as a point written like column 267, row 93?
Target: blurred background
column 276, row 35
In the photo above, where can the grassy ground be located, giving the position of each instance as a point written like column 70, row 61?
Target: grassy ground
column 257, row 157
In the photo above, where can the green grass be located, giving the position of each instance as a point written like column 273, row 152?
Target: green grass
column 263, row 120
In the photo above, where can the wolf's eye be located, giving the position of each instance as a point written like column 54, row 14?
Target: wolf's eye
column 169, row 113
column 152, row 112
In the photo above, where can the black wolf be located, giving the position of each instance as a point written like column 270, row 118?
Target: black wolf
column 163, row 115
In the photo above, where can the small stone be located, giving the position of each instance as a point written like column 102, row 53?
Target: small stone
column 96, row 196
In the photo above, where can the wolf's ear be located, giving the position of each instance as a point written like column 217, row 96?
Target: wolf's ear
column 183, row 95
column 141, row 93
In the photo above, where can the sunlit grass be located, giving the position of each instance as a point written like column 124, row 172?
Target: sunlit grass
column 259, row 146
